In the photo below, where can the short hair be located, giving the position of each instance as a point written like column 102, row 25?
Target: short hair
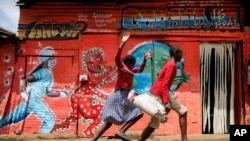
column 175, row 49
column 129, row 58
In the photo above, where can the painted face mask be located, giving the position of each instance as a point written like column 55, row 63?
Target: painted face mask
column 51, row 63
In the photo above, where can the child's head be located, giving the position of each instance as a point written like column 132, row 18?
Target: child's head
column 129, row 61
column 176, row 53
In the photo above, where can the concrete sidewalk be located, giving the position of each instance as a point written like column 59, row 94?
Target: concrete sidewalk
column 132, row 136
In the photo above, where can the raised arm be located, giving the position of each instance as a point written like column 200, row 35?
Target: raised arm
column 125, row 37
column 147, row 56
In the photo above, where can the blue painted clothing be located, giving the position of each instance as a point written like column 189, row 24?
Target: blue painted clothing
column 36, row 90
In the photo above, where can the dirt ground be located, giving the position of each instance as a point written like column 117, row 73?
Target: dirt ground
column 132, row 136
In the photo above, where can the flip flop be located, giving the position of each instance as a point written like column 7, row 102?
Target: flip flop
column 122, row 136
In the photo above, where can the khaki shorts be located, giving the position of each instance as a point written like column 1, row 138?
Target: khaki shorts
column 176, row 106
column 173, row 105
column 155, row 120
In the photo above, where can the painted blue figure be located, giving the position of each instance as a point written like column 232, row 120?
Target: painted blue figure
column 39, row 83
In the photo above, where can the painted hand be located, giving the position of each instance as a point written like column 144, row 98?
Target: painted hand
column 23, row 85
column 148, row 55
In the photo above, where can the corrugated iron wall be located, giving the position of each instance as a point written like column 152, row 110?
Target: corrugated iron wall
column 85, row 34
column 112, row 17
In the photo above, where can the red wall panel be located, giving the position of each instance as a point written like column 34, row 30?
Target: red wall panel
column 89, row 49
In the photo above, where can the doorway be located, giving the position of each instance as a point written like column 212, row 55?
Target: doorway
column 217, row 86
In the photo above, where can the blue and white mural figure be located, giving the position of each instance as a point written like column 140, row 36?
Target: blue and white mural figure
column 39, row 82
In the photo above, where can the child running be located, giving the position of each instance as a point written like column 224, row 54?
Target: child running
column 160, row 91
column 117, row 108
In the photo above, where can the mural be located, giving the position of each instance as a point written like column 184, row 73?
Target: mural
column 87, row 101
column 43, row 29
column 39, row 83
column 63, row 28
column 143, row 81
column 187, row 17
column 180, row 18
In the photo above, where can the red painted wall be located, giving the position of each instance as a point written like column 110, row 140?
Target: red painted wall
column 89, row 38
column 246, row 50
column 7, row 69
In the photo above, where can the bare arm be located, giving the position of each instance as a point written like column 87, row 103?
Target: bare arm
column 147, row 56
column 25, row 80
column 30, row 78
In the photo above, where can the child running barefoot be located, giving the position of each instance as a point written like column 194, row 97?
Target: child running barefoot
column 160, row 91
column 117, row 108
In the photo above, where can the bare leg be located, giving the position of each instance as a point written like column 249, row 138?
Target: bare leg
column 121, row 133
column 167, row 110
column 146, row 133
column 101, row 130
column 128, row 124
column 183, row 126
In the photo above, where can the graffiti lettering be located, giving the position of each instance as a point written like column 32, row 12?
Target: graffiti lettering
column 101, row 19
column 38, row 30
column 228, row 23
column 211, row 3
column 83, row 17
column 219, row 15
column 195, row 3
column 179, row 18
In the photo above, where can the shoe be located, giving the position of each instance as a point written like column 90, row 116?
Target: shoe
column 163, row 119
column 122, row 136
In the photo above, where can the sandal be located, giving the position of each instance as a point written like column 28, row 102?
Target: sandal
column 163, row 119
column 122, row 136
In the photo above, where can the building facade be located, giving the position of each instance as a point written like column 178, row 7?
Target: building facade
column 83, row 37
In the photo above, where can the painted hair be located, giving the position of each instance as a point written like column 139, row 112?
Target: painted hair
column 130, row 59
column 175, row 49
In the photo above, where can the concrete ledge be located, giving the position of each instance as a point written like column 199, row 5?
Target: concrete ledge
column 32, row 137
